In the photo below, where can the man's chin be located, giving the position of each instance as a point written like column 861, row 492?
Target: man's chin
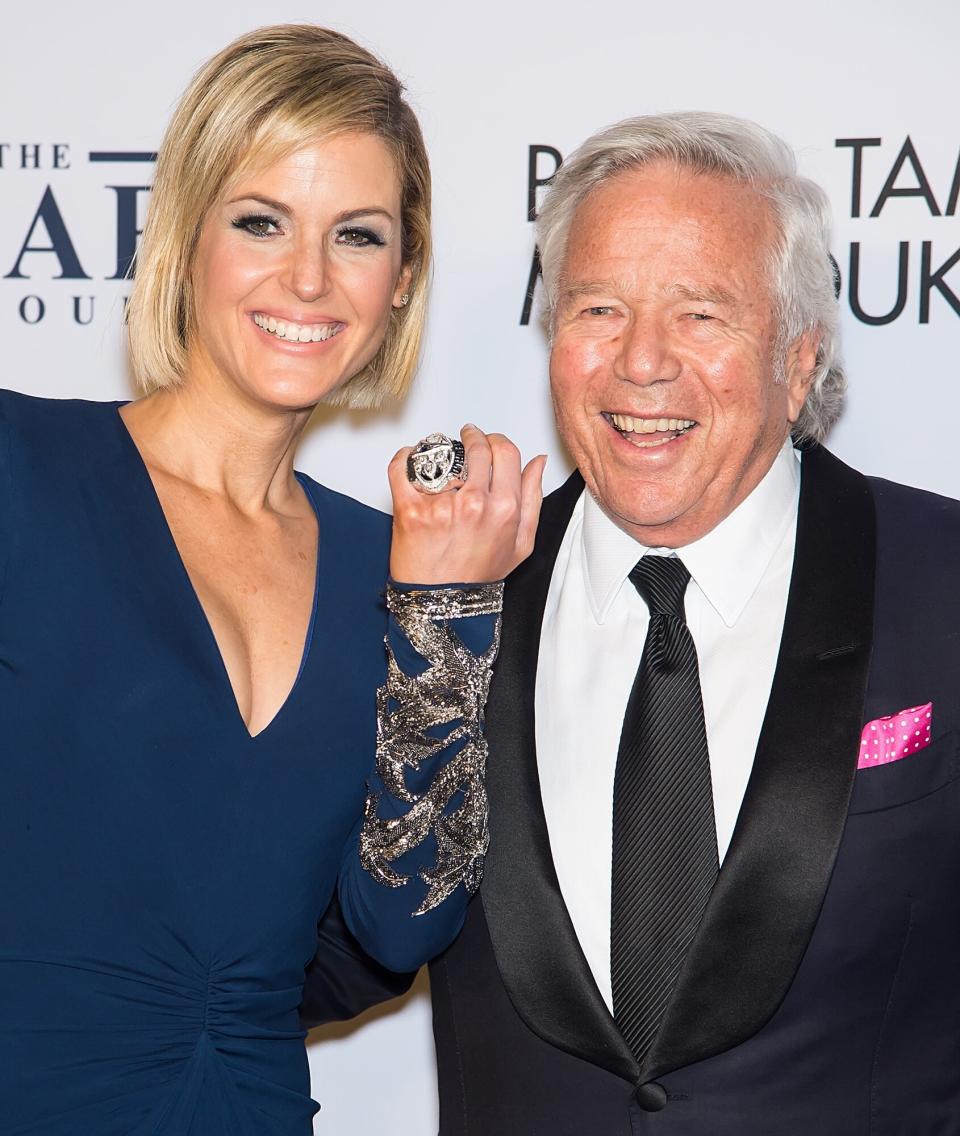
column 649, row 518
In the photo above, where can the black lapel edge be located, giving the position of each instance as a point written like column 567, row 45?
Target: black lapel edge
column 768, row 896
column 541, row 962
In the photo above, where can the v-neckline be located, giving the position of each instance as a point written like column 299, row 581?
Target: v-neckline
column 194, row 599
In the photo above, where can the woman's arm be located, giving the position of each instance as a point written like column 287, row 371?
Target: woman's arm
column 424, row 833
column 6, row 498
column 417, row 854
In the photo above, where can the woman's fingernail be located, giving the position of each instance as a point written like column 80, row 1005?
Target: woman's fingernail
column 470, row 426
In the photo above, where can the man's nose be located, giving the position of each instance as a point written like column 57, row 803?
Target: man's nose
column 308, row 270
column 646, row 353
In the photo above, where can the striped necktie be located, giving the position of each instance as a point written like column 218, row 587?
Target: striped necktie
column 664, row 835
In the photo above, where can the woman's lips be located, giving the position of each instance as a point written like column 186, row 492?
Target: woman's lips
column 291, row 332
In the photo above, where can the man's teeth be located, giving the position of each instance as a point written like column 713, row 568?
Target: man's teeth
column 295, row 332
column 627, row 425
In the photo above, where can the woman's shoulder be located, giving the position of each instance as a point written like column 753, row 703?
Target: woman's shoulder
column 354, row 541
column 364, row 523
column 51, row 424
column 47, row 446
column 350, row 507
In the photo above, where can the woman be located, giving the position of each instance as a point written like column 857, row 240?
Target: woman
column 191, row 634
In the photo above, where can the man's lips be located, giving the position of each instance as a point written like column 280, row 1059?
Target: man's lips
column 646, row 433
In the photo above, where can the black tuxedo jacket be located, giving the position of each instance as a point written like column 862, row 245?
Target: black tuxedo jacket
column 821, row 996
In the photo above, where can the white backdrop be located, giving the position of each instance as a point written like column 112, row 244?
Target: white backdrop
column 81, row 82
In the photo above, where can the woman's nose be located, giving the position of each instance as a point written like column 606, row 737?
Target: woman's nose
column 308, row 274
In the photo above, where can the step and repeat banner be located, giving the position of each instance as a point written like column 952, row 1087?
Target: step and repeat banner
column 865, row 91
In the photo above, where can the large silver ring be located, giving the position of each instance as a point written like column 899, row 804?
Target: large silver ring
column 435, row 462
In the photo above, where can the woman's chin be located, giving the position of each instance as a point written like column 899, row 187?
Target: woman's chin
column 291, row 396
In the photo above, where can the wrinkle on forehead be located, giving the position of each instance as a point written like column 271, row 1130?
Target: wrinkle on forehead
column 720, row 233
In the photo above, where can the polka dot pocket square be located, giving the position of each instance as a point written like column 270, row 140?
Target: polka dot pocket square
column 896, row 736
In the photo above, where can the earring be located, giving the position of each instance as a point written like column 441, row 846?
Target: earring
column 404, row 299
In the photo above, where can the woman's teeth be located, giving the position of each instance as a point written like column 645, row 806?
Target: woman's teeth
column 295, row 332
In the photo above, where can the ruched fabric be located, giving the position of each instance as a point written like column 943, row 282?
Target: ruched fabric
column 145, row 1056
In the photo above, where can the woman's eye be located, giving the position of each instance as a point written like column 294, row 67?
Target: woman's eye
column 701, row 317
column 257, row 224
column 358, row 237
column 598, row 310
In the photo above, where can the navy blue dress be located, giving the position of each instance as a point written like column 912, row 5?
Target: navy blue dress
column 162, row 872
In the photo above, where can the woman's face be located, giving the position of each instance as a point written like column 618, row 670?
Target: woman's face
column 296, row 271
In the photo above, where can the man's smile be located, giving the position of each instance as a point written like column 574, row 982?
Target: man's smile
column 647, row 433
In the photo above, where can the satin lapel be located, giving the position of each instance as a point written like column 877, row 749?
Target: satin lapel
column 538, row 954
column 768, row 896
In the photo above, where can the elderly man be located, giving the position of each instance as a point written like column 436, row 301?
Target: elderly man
column 722, row 896
column 735, row 913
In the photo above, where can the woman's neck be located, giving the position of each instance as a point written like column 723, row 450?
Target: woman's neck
column 220, row 442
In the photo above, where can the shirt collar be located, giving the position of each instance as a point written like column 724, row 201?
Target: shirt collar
column 727, row 564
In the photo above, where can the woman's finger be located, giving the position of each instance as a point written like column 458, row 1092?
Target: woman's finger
column 479, row 459
column 531, row 498
column 505, row 475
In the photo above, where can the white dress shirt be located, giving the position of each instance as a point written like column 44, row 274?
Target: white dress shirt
column 594, row 628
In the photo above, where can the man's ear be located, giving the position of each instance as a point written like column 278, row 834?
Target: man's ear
column 799, row 366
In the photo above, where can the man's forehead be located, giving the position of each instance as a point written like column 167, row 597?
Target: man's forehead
column 686, row 236
column 665, row 177
column 641, row 199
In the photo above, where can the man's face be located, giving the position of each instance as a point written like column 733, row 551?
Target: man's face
column 663, row 362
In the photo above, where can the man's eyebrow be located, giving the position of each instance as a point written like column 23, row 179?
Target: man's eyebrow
column 709, row 295
column 586, row 288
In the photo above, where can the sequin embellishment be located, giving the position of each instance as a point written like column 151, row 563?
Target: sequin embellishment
column 452, row 692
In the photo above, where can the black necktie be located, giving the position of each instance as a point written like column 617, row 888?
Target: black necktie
column 664, row 834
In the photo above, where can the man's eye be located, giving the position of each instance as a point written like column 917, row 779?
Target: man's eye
column 257, row 224
column 359, row 237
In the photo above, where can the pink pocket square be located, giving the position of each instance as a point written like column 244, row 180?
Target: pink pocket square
column 896, row 736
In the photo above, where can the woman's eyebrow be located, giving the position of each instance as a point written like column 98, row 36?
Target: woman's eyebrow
column 269, row 202
column 280, row 207
column 351, row 214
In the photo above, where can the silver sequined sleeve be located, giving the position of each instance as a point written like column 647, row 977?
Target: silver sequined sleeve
column 421, row 720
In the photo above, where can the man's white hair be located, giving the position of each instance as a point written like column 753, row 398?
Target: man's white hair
column 802, row 271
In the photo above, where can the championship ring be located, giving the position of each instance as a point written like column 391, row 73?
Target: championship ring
column 435, row 462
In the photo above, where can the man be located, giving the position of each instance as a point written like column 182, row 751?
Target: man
column 608, row 981
column 721, row 894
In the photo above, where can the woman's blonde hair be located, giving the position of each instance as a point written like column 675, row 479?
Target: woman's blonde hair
column 267, row 94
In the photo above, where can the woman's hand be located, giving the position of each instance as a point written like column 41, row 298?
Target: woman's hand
column 476, row 534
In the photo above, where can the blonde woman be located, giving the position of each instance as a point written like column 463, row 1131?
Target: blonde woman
column 192, row 633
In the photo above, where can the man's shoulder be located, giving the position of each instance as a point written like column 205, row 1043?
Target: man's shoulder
column 916, row 520
column 910, row 519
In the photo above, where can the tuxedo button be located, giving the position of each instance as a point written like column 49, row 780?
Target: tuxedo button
column 651, row 1097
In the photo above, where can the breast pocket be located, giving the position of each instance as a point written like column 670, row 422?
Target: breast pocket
column 909, row 779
